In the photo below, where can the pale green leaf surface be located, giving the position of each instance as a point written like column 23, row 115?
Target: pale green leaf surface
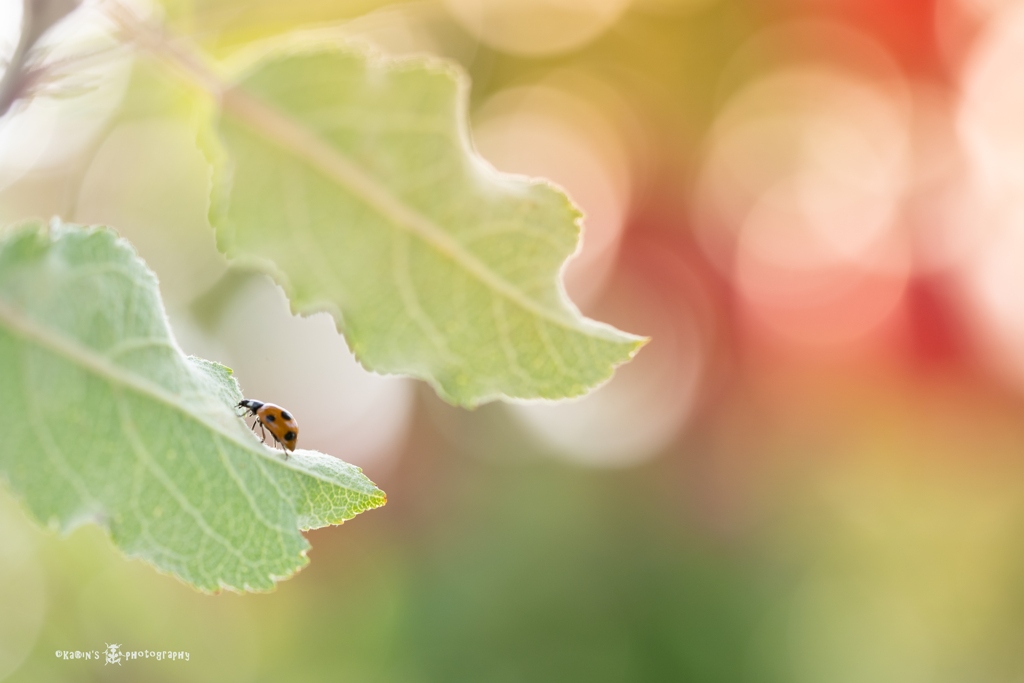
column 351, row 179
column 106, row 420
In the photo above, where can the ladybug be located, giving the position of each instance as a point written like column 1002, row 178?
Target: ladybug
column 278, row 421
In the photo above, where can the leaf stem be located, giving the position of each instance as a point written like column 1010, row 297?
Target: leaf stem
column 183, row 61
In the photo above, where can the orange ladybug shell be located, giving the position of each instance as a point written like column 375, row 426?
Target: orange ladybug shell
column 280, row 423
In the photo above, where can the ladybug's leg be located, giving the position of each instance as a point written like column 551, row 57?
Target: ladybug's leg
column 263, row 432
column 281, row 444
column 259, row 422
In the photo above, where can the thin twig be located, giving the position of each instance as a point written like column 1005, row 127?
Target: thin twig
column 20, row 76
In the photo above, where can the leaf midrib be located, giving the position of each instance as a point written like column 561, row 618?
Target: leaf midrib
column 103, row 368
column 295, row 138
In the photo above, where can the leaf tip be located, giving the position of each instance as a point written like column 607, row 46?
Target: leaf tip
column 638, row 343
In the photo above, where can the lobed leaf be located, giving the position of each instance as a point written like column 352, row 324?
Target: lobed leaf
column 352, row 181
column 106, row 420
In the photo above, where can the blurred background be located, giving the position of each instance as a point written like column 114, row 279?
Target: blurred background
column 813, row 473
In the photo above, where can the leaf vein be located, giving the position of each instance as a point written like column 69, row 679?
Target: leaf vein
column 140, row 451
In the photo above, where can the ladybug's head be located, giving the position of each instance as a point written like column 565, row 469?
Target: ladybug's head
column 251, row 406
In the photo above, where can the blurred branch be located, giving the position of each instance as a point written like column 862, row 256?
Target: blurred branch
column 38, row 16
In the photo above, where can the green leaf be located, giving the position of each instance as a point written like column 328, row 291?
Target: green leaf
column 352, row 181
column 106, row 420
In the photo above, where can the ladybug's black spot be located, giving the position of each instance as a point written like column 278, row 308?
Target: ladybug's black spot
column 270, row 418
column 285, row 415
column 290, row 436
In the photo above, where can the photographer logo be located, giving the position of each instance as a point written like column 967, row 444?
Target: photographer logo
column 113, row 653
